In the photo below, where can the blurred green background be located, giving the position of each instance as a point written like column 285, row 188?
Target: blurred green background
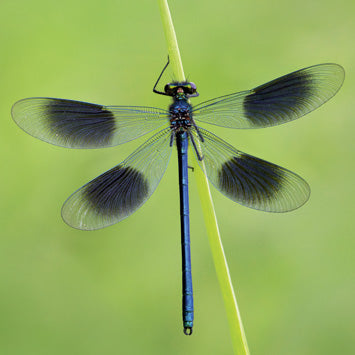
column 118, row 290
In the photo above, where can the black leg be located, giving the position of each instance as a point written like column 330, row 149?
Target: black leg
column 156, row 83
column 199, row 157
column 172, row 138
column 197, row 130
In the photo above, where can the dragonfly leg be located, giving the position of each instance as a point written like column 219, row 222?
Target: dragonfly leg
column 172, row 138
column 197, row 130
column 156, row 83
column 199, row 156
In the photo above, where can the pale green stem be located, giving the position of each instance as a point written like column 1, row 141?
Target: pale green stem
column 239, row 341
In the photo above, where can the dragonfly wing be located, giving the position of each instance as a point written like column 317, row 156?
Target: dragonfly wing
column 76, row 124
column 248, row 180
column 278, row 101
column 119, row 192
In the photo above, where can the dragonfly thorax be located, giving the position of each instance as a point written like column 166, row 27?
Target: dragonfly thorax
column 180, row 114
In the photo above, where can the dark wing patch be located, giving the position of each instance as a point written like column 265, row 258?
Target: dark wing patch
column 284, row 97
column 79, row 123
column 279, row 101
column 76, row 124
column 248, row 180
column 118, row 191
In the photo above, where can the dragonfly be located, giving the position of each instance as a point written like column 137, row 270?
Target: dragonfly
column 245, row 179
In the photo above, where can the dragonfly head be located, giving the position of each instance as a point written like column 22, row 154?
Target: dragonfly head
column 180, row 90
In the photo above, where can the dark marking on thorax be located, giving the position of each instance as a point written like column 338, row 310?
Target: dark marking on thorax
column 180, row 114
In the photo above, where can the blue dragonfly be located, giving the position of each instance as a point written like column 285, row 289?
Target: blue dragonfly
column 120, row 191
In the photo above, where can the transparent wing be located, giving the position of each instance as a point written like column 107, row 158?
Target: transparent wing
column 76, row 124
column 251, row 181
column 281, row 100
column 119, row 192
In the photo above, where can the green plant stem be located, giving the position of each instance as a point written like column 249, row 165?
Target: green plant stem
column 239, row 341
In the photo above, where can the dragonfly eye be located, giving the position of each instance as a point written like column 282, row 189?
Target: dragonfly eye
column 188, row 88
column 170, row 89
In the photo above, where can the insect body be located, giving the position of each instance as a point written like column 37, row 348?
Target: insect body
column 250, row 181
column 181, row 122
